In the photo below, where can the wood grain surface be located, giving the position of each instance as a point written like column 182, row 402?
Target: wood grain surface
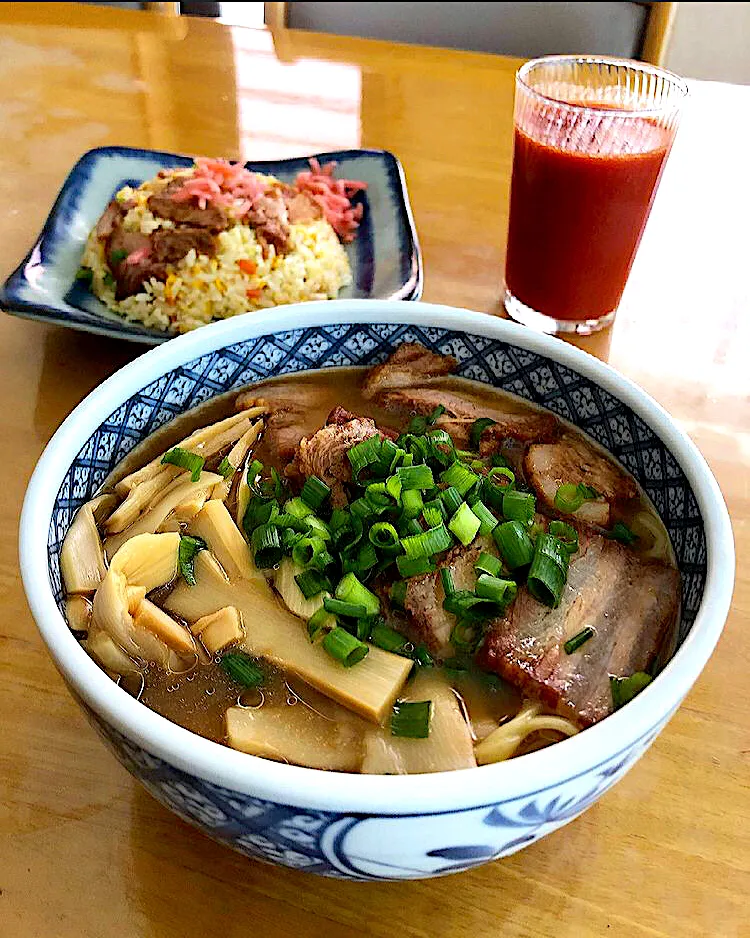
column 84, row 851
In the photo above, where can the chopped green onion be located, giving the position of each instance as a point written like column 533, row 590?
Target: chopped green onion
column 625, row 688
column 469, row 606
column 273, row 487
column 460, row 477
column 422, row 657
column 411, row 720
column 226, row 469
column 519, row 506
column 489, row 564
column 549, row 570
column 364, row 454
column 446, row 578
column 567, row 498
column 266, row 544
column 307, row 550
column 411, row 502
column 414, row 566
column 465, row 636
column 500, row 591
column 622, row 533
column 361, row 508
column 387, row 638
column 497, row 483
column 487, row 521
column 432, row 517
column 378, row 497
column 367, row 558
column 117, row 256
column 242, row 669
column 316, row 528
column 393, row 487
column 312, row 582
column 464, row 524
column 314, row 492
column 580, row 638
column 259, row 511
column 435, row 415
column 427, row 543
column 109, row 280
column 338, row 607
column 344, row 647
column 514, row 543
column 350, row 534
column 451, row 498
column 477, row 429
column 410, row 527
column 390, row 456
column 384, row 536
column 85, row 275
column 319, row 624
column 397, row 593
column 416, row 426
column 566, row 534
column 588, row 492
column 350, row 590
column 362, row 628
column 186, row 553
column 415, row 477
column 298, row 508
column 437, row 504
column 192, row 462
column 441, row 447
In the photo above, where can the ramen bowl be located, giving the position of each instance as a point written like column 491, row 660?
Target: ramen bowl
column 358, row 826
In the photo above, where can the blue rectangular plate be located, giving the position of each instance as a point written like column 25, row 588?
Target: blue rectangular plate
column 385, row 257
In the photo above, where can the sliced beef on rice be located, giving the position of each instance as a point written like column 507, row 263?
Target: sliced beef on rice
column 407, row 367
column 630, row 603
column 269, row 217
column 186, row 212
column 130, row 258
column 571, row 460
column 170, row 245
column 111, row 219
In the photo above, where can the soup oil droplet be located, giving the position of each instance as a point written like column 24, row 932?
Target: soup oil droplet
column 251, row 699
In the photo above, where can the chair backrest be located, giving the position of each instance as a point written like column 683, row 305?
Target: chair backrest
column 632, row 30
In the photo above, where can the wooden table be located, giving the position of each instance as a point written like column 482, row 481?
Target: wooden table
column 83, row 850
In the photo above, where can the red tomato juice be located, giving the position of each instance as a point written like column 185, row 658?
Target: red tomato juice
column 576, row 218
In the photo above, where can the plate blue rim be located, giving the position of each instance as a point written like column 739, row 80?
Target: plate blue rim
column 13, row 303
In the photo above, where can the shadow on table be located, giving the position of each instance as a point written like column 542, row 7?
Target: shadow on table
column 73, row 364
column 184, row 884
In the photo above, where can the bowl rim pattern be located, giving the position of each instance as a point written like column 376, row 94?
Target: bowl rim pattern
column 387, row 795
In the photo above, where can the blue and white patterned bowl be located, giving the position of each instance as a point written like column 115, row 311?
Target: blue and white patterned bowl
column 385, row 258
column 357, row 826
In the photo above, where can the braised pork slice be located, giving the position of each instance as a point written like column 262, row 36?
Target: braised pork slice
column 571, row 460
column 324, row 454
column 408, row 366
column 630, row 603
column 285, row 425
column 461, row 412
column 430, row 623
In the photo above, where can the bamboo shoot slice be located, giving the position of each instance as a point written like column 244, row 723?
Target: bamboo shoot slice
column 82, row 562
column 272, row 632
column 237, row 457
column 197, row 442
column 149, row 521
column 297, row 735
column 215, row 525
column 291, row 594
column 78, row 612
column 109, row 655
column 175, row 636
column 449, row 745
column 220, row 629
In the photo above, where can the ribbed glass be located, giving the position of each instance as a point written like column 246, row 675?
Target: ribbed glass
column 617, row 116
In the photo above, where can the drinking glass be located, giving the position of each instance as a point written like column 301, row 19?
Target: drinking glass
column 591, row 138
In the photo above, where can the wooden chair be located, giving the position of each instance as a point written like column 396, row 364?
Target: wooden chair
column 641, row 32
